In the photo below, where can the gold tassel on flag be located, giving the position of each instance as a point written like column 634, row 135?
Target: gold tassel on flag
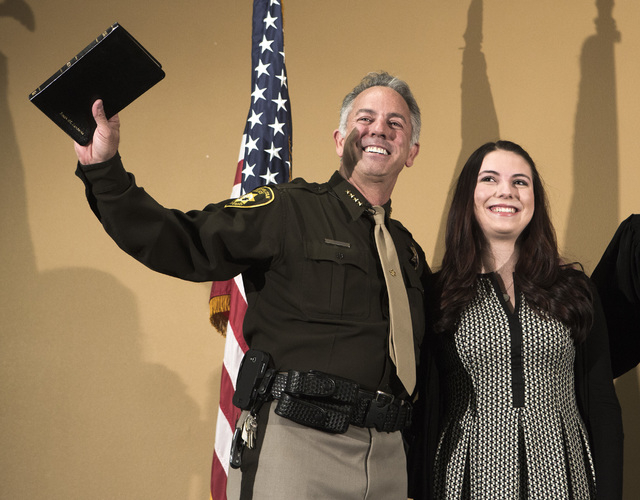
column 219, row 305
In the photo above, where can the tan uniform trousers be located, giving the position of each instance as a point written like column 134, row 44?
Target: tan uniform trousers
column 297, row 462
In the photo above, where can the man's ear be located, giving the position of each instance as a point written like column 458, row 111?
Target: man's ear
column 339, row 140
column 413, row 152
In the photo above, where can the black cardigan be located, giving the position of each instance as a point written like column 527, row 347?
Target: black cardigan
column 595, row 393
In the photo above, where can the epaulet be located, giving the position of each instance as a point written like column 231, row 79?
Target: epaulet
column 300, row 183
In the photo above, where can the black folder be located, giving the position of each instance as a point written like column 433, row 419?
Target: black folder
column 114, row 67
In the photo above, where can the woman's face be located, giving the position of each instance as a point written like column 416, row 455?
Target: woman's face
column 503, row 198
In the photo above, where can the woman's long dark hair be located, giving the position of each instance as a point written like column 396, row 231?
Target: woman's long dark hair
column 548, row 285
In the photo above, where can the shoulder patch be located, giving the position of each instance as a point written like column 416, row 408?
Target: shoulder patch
column 259, row 197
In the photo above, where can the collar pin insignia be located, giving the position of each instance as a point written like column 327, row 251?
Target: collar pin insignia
column 353, row 197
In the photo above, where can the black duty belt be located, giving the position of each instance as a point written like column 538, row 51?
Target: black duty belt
column 329, row 403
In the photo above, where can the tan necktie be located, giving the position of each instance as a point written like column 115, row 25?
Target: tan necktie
column 400, row 328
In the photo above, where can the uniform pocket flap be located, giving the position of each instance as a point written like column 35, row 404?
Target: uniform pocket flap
column 340, row 252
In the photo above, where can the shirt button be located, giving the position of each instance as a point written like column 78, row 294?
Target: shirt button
column 340, row 255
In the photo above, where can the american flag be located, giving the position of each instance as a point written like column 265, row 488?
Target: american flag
column 265, row 158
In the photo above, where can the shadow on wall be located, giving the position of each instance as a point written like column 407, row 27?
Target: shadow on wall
column 479, row 121
column 593, row 214
column 83, row 416
column 594, row 207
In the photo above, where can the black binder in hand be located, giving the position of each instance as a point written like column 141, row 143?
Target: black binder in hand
column 114, row 67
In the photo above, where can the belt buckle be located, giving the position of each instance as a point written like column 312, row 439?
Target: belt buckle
column 384, row 399
column 378, row 408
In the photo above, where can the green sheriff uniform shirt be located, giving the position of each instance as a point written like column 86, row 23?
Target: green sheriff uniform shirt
column 316, row 296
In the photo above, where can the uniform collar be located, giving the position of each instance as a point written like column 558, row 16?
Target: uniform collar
column 351, row 198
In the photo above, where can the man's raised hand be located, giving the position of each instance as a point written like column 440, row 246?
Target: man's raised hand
column 106, row 138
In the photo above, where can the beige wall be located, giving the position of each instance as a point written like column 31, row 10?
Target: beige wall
column 108, row 371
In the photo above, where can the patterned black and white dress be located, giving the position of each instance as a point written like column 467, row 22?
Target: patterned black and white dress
column 512, row 428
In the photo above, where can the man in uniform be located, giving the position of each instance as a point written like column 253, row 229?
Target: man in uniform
column 325, row 419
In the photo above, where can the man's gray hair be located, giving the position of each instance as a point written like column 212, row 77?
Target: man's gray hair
column 383, row 79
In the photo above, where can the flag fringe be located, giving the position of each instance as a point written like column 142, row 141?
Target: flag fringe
column 219, row 312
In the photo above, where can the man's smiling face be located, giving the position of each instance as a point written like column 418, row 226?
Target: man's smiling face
column 380, row 122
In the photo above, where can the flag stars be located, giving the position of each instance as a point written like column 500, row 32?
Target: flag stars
column 251, row 145
column 277, row 127
column 269, row 178
column 258, row 94
column 247, row 171
column 273, row 151
column 266, row 141
column 255, row 118
column 280, row 102
column 261, row 69
column 283, row 78
column 270, row 22
column 266, row 44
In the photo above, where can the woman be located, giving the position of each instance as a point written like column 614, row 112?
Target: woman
column 529, row 409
